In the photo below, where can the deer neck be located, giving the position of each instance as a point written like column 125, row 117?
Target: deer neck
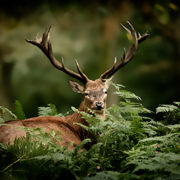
column 77, row 117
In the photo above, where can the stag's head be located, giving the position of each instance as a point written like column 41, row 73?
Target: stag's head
column 95, row 92
column 95, row 95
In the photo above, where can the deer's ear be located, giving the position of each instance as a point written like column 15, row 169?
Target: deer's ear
column 76, row 87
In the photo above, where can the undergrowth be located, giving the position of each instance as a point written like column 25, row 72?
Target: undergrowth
column 130, row 145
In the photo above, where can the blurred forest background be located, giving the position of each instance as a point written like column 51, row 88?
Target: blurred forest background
column 90, row 32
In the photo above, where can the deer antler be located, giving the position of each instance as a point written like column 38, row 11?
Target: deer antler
column 127, row 56
column 45, row 45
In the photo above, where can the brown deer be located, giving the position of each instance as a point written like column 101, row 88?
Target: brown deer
column 94, row 92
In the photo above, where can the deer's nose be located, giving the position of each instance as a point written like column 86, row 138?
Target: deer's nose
column 99, row 105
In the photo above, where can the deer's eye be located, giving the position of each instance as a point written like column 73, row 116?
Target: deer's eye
column 86, row 93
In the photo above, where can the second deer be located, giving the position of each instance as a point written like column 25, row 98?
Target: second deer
column 94, row 92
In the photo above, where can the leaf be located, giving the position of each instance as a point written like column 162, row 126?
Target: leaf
column 50, row 110
column 176, row 103
column 18, row 110
column 102, row 176
column 127, row 95
column 112, row 175
column 80, row 145
column 174, row 126
column 166, row 108
column 1, row 120
column 6, row 114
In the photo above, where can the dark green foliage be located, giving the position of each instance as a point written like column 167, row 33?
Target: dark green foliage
column 129, row 145
column 18, row 110
column 112, row 175
column 171, row 113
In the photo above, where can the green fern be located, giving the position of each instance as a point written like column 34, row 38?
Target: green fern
column 112, row 175
column 166, row 108
column 18, row 110
column 50, row 110
column 129, row 145
column 6, row 114
column 171, row 113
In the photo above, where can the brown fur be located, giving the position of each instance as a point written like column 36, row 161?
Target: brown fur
column 69, row 131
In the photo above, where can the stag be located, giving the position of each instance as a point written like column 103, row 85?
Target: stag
column 94, row 92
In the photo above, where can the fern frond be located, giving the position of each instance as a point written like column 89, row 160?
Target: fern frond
column 50, row 110
column 6, row 114
column 166, row 108
column 18, row 110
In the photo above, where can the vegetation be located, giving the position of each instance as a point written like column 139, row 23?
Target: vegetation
column 90, row 32
column 131, row 144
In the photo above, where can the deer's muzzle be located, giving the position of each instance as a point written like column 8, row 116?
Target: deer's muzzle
column 99, row 105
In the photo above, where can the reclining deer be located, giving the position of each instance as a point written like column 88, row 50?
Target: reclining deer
column 94, row 92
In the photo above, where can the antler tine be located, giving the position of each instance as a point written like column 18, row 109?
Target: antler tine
column 142, row 37
column 127, row 56
column 45, row 45
column 80, row 71
column 46, row 35
column 107, row 74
